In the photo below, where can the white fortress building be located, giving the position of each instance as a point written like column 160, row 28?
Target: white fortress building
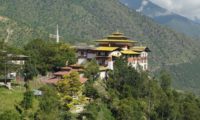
column 114, row 46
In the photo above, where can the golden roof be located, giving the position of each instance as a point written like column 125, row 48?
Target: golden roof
column 139, row 48
column 116, row 40
column 117, row 33
column 129, row 52
column 116, row 37
column 106, row 48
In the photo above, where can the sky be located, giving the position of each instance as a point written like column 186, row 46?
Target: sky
column 187, row 8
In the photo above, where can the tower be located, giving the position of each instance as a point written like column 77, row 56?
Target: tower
column 57, row 35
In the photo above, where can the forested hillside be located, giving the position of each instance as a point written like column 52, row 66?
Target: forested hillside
column 16, row 33
column 92, row 19
column 88, row 20
column 126, row 95
column 187, row 76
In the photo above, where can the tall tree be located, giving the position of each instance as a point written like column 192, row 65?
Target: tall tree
column 69, row 88
column 91, row 69
column 165, row 80
column 47, row 56
column 48, row 104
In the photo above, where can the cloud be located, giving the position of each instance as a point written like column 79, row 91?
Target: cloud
column 144, row 3
column 187, row 8
column 157, row 14
column 126, row 4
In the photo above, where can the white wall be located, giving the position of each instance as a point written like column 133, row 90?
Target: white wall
column 102, row 75
column 110, row 65
column 81, row 60
column 142, row 63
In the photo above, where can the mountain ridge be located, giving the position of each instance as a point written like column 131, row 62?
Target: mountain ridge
column 172, row 20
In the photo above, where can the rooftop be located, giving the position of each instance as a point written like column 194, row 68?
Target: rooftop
column 117, row 40
column 116, row 37
column 106, row 48
column 129, row 52
column 140, row 48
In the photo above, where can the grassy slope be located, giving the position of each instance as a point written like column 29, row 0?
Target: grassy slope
column 9, row 98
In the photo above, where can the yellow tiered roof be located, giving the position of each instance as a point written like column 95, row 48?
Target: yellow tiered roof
column 117, row 33
column 139, row 48
column 129, row 52
column 106, row 48
column 116, row 40
column 116, row 37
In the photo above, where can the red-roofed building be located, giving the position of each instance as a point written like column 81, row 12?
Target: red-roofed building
column 66, row 71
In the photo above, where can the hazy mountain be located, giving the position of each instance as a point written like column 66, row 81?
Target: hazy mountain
column 87, row 20
column 163, row 16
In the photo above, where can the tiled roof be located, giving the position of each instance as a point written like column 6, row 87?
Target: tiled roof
column 83, row 79
column 51, row 81
column 106, row 48
column 129, row 52
column 116, row 40
column 61, row 73
column 140, row 48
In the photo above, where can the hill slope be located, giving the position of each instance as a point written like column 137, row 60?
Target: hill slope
column 163, row 16
column 80, row 20
column 86, row 20
column 16, row 33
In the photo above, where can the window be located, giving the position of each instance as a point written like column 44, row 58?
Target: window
column 102, row 54
column 82, row 53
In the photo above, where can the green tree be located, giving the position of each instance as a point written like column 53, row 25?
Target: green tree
column 165, row 80
column 25, row 107
column 97, row 110
column 27, row 102
column 47, row 56
column 91, row 69
column 90, row 91
column 49, row 106
column 129, row 109
column 68, row 88
column 29, row 71
column 128, row 81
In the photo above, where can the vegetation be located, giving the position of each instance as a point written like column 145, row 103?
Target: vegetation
column 126, row 95
column 69, row 88
column 10, row 98
column 81, row 25
column 186, row 76
column 47, row 56
column 48, row 105
column 91, row 69
column 136, row 96
column 78, row 22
